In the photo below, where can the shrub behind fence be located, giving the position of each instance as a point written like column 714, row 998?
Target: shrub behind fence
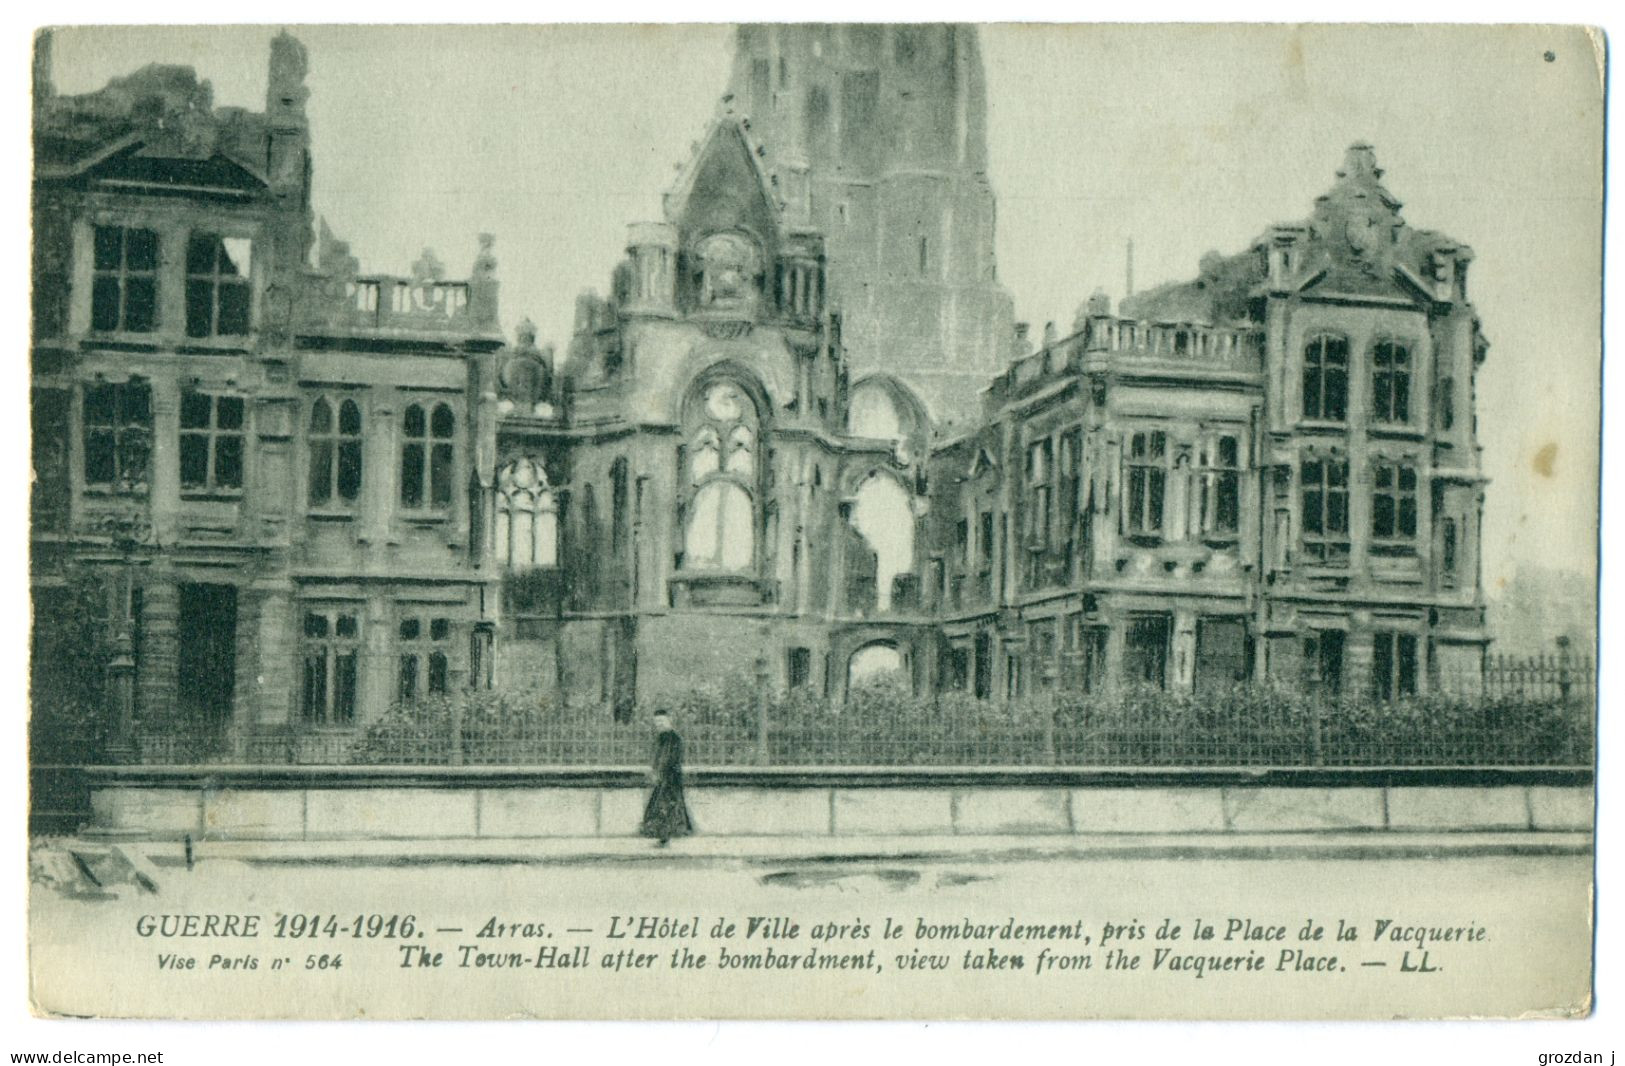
column 727, row 723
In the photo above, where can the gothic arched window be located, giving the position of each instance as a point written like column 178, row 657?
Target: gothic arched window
column 720, row 521
column 527, row 529
column 335, row 453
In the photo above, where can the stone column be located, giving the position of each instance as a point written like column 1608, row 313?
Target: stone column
column 1182, row 670
column 82, row 273
column 156, row 679
column 376, row 676
column 379, row 463
column 172, row 239
column 247, row 649
column 163, row 464
column 273, row 691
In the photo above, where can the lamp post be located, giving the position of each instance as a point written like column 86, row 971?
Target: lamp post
column 127, row 532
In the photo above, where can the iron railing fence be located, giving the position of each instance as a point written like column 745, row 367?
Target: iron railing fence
column 1248, row 726
column 1534, row 677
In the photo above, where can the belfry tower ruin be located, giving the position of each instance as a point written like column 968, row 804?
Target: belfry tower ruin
column 876, row 136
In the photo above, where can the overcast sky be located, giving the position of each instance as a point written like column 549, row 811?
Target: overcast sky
column 1184, row 138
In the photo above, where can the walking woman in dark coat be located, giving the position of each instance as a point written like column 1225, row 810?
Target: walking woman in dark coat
column 666, row 816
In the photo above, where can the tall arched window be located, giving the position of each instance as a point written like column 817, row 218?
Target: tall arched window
column 426, row 457
column 720, row 529
column 335, row 453
column 527, row 531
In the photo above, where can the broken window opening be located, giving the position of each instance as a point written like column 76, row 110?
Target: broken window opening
column 720, row 514
column 883, row 516
column 218, row 292
column 875, row 664
column 527, row 527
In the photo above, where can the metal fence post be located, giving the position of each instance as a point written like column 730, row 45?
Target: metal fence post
column 456, row 731
column 762, row 754
column 1051, row 705
column 1317, row 750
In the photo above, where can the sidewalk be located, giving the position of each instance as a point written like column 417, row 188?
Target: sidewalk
column 780, row 849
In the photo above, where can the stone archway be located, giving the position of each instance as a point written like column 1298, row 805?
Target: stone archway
column 875, row 660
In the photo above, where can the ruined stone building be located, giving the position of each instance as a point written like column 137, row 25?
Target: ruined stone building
column 1270, row 470
column 319, row 492
column 267, row 450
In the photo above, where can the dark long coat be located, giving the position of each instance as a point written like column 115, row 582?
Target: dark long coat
column 667, row 813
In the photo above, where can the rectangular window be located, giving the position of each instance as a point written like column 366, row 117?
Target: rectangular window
column 962, row 540
column 1040, row 492
column 423, row 651
column 118, row 435
column 1323, row 661
column 1447, row 403
column 1325, row 484
column 1145, row 483
column 124, row 290
column 481, row 657
column 1146, row 650
column 1393, row 502
column 1447, row 552
column 984, row 543
column 798, row 667
column 1393, row 665
column 1012, row 676
column 1070, row 490
column 218, row 292
column 1220, row 460
column 1093, row 652
column 1325, row 379
column 211, row 442
column 52, row 444
column 330, row 647
column 1391, row 383
column 1041, row 639
column 1223, row 658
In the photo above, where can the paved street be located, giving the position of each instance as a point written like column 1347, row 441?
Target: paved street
column 1473, row 927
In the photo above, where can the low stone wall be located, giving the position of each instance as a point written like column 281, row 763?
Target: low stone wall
column 380, row 804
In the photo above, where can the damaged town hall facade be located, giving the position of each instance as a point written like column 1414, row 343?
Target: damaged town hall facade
column 799, row 438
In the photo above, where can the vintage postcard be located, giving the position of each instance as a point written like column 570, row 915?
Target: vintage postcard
column 814, row 521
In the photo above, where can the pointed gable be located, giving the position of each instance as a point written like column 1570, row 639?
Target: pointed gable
column 724, row 188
